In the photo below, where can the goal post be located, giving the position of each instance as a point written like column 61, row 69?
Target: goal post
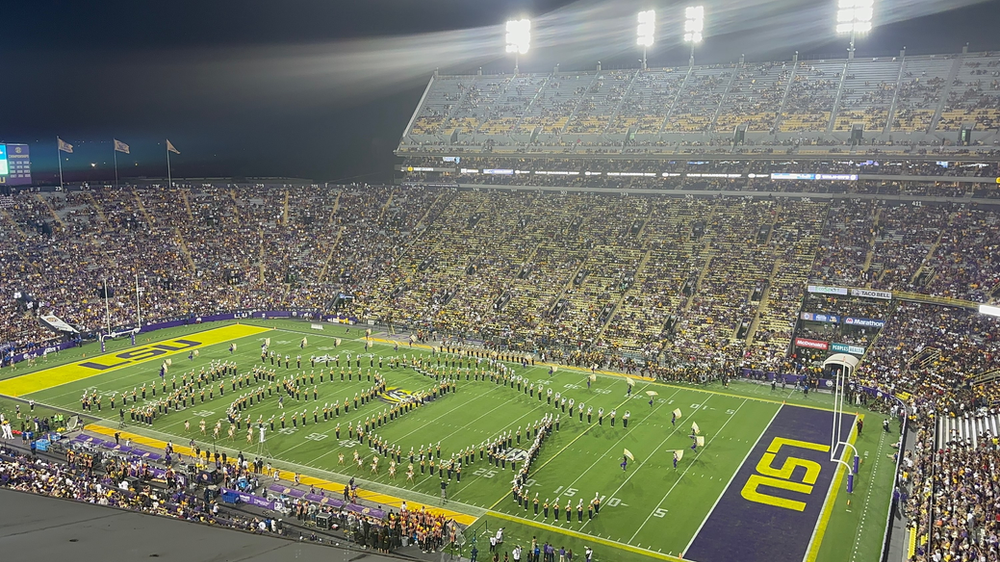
column 843, row 366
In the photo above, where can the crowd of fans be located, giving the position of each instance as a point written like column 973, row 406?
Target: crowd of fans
column 569, row 274
column 677, row 288
column 790, row 106
column 136, row 485
column 117, row 486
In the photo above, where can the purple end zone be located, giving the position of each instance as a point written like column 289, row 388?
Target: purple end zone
column 770, row 528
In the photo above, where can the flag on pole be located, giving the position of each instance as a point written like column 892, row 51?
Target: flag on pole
column 677, row 413
column 267, row 342
column 120, row 146
column 678, row 454
column 170, row 148
column 64, row 146
column 630, row 381
column 337, row 344
column 629, row 455
column 700, row 440
column 695, row 428
column 652, row 393
column 593, row 377
column 170, row 362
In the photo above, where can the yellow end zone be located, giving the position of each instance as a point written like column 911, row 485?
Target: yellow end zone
column 374, row 497
column 89, row 367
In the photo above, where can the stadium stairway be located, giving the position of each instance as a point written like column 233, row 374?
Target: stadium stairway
column 764, row 303
column 945, row 94
column 708, row 255
column 333, row 248
column 187, row 204
column 142, row 209
column 966, row 430
column 45, row 201
column 97, row 208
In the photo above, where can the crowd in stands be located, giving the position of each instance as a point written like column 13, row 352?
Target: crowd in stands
column 677, row 288
column 536, row 271
column 136, row 485
column 110, row 488
column 904, row 104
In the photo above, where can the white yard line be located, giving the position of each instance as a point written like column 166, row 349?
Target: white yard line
column 868, row 496
column 733, row 477
column 600, row 458
column 691, row 464
column 657, row 448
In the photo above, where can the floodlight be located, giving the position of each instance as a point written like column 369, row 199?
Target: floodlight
column 855, row 16
column 646, row 29
column 518, row 36
column 694, row 23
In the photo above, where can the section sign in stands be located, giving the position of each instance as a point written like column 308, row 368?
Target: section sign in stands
column 864, row 322
column 817, row 317
column 844, row 348
column 827, row 290
column 812, row 344
column 869, row 294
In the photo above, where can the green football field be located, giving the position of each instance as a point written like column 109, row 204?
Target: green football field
column 649, row 510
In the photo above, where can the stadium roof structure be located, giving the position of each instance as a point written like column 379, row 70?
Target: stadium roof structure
column 950, row 100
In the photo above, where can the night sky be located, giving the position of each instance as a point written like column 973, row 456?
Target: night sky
column 322, row 89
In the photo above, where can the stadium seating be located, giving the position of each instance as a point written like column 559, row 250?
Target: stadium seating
column 902, row 102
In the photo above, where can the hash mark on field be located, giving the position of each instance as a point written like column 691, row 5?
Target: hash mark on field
column 729, row 419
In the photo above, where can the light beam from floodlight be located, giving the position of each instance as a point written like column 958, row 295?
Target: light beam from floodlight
column 518, row 38
column 854, row 17
column 694, row 25
column 646, row 32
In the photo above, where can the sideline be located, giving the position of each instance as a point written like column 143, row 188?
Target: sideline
column 304, row 480
column 586, row 537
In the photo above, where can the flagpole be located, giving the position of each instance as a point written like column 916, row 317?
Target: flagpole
column 115, row 150
column 59, row 157
column 170, row 182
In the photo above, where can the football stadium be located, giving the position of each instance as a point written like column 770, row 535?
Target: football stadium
column 708, row 312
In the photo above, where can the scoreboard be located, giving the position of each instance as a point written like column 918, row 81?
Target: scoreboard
column 15, row 164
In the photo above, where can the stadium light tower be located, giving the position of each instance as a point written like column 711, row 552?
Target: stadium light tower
column 518, row 39
column 646, row 32
column 694, row 24
column 854, row 17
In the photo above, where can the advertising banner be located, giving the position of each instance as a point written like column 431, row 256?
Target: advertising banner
column 827, row 290
column 818, row 317
column 811, row 344
column 864, row 322
column 869, row 294
column 844, row 348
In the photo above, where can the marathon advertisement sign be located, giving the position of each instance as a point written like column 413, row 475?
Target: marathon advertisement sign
column 827, row 290
column 869, row 294
column 864, row 322
column 844, row 348
column 811, row 344
column 818, row 317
